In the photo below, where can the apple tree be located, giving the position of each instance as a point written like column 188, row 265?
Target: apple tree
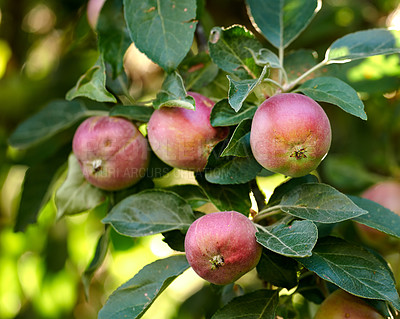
column 236, row 106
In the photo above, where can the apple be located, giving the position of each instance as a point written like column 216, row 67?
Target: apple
column 221, row 247
column 184, row 138
column 111, row 152
column 340, row 304
column 290, row 134
column 93, row 11
column 387, row 194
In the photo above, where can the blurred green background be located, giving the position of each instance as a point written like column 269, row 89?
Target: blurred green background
column 45, row 46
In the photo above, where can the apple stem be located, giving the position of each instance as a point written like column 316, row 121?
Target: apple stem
column 281, row 54
column 274, row 82
column 125, row 89
column 267, row 212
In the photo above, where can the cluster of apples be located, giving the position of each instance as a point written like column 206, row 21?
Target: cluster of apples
column 290, row 134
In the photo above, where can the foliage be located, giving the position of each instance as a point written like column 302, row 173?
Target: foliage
column 304, row 225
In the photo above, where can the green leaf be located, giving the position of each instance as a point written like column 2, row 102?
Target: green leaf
column 237, row 170
column 113, row 35
column 352, row 268
column 281, row 271
column 227, row 198
column 222, row 114
column 285, row 187
column 294, row 240
column 348, row 173
column 310, row 287
column 240, row 90
column 133, row 112
column 230, row 50
column 97, row 261
column 55, row 117
column 334, row 91
column 193, row 194
column 198, row 71
column 175, row 239
column 320, row 203
column 150, row 212
column 298, row 62
column 239, row 144
column 265, row 57
column 378, row 217
column 163, row 30
column 260, row 304
column 362, row 44
column 133, row 298
column 76, row 194
column 37, row 190
column 157, row 168
column 173, row 94
column 92, row 85
column 144, row 184
column 281, row 21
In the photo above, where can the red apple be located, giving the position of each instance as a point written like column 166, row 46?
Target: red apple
column 93, row 11
column 221, row 247
column 340, row 305
column 111, row 152
column 290, row 134
column 184, row 138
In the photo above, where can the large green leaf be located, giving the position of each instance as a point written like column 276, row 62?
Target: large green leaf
column 281, row 21
column 92, row 85
column 294, row 240
column 113, row 35
column 240, row 90
column 265, row 57
column 173, row 93
column 193, row 194
column 150, row 212
column 348, row 173
column 163, row 30
column 175, row 239
column 37, row 189
column 353, row 269
column 133, row 298
column 260, row 304
column 286, row 186
column 332, row 90
column 237, row 170
column 320, row 203
column 157, row 168
column 198, row 71
column 362, row 44
column 97, row 260
column 222, row 113
column 227, row 198
column 281, row 271
column 133, row 112
column 378, row 217
column 76, row 194
column 230, row 50
column 239, row 144
column 298, row 62
column 57, row 116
